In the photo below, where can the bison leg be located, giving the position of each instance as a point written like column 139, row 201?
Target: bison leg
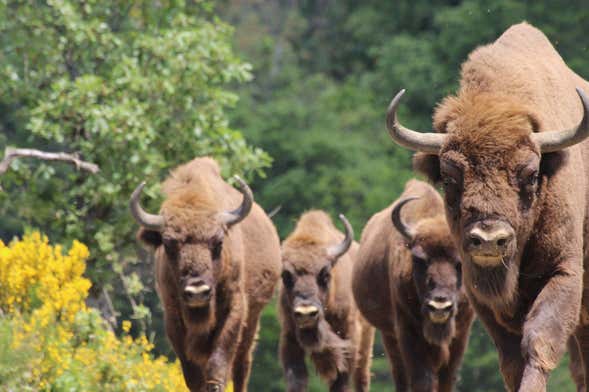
column 292, row 357
column 364, row 358
column 243, row 359
column 416, row 358
column 193, row 376
column 225, row 345
column 340, row 384
column 511, row 362
column 393, row 352
column 582, row 336
column 549, row 324
column 576, row 364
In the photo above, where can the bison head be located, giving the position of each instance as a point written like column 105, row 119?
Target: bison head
column 189, row 242
column 493, row 164
column 436, row 272
column 306, row 279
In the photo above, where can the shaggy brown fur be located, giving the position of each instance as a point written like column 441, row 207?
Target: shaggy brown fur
column 339, row 340
column 494, row 172
column 393, row 281
column 214, row 342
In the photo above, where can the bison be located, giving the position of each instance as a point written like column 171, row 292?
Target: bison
column 511, row 153
column 317, row 310
column 407, row 283
column 216, row 268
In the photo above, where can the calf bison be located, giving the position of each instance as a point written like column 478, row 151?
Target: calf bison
column 511, row 155
column 216, row 268
column 407, row 283
column 317, row 310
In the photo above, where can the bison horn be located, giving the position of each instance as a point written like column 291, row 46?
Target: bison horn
column 555, row 141
column 401, row 227
column 232, row 217
column 145, row 219
column 334, row 252
column 427, row 142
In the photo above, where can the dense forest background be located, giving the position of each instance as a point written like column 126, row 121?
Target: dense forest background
column 290, row 94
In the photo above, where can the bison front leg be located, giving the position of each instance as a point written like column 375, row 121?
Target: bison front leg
column 341, row 383
column 292, row 357
column 549, row 323
column 416, row 353
column 225, row 346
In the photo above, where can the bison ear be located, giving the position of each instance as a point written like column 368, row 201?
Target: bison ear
column 150, row 238
column 428, row 165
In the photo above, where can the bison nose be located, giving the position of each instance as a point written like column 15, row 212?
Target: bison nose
column 439, row 304
column 306, row 313
column 488, row 242
column 197, row 292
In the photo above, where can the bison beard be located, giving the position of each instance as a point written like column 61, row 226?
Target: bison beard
column 492, row 285
column 439, row 334
column 329, row 352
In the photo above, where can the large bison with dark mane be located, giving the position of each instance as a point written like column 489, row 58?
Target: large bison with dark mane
column 511, row 155
column 318, row 314
column 407, row 283
column 217, row 264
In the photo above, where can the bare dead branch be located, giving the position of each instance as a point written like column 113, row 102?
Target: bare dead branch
column 10, row 154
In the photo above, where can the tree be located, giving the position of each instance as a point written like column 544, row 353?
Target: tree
column 136, row 88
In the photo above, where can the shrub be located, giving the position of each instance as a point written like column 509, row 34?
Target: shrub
column 50, row 340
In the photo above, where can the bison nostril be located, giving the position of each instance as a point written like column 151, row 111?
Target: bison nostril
column 475, row 241
column 502, row 242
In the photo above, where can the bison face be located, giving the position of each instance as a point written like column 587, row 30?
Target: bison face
column 197, row 264
column 189, row 242
column 437, row 280
column 306, row 291
column 306, row 278
column 436, row 272
column 493, row 162
column 490, row 199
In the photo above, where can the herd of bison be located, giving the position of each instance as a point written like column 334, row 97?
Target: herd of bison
column 506, row 242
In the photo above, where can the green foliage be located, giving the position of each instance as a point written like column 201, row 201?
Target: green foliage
column 136, row 88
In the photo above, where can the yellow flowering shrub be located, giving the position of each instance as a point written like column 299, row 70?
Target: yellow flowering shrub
column 50, row 340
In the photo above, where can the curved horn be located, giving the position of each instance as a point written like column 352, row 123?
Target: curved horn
column 401, row 227
column 336, row 251
column 145, row 219
column 430, row 142
column 232, row 217
column 555, row 141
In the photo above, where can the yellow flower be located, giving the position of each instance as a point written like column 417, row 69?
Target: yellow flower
column 126, row 326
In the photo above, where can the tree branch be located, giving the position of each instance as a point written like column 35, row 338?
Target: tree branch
column 10, row 154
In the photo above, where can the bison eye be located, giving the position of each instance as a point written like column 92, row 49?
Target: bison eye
column 216, row 251
column 287, row 279
column 323, row 277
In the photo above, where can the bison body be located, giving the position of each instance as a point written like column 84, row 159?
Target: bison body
column 509, row 150
column 317, row 311
column 407, row 284
column 216, row 268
